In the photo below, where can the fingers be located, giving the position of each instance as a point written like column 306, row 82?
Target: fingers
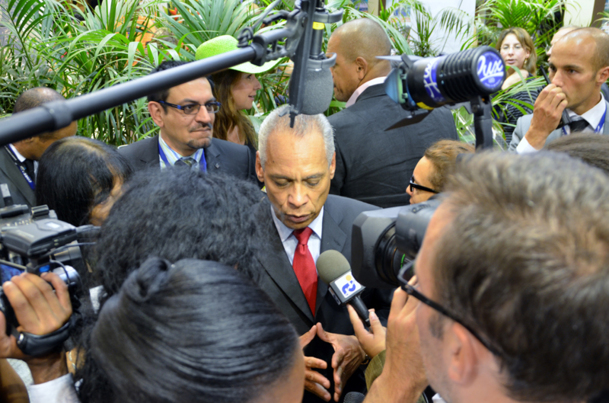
column 358, row 326
column 306, row 338
column 397, row 303
column 318, row 390
column 37, row 307
column 375, row 324
column 312, row 362
column 61, row 290
column 322, row 334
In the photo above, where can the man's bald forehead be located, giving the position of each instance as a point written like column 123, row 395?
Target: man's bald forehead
column 362, row 38
column 601, row 39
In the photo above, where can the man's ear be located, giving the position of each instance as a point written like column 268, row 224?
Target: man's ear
column 259, row 169
column 463, row 358
column 156, row 113
column 361, row 67
column 333, row 166
column 603, row 75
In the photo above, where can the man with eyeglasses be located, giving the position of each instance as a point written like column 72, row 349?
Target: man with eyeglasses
column 185, row 117
column 510, row 299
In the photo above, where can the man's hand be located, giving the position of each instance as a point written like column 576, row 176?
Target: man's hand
column 40, row 311
column 372, row 342
column 547, row 112
column 348, row 356
column 315, row 382
column 403, row 378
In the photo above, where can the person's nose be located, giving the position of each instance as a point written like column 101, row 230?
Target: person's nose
column 298, row 197
column 257, row 84
column 556, row 78
column 409, row 190
column 203, row 116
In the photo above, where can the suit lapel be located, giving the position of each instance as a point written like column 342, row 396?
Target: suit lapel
column 276, row 262
column 150, row 158
column 332, row 238
column 212, row 158
column 11, row 171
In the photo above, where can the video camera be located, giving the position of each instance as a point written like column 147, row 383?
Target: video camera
column 35, row 241
column 383, row 241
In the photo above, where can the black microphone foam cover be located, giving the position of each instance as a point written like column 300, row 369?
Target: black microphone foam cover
column 354, row 397
column 331, row 265
column 317, row 91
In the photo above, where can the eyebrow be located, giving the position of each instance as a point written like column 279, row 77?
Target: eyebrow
column 314, row 176
column 192, row 101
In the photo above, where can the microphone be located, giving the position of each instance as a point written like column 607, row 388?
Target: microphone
column 433, row 82
column 354, row 397
column 311, row 84
column 334, row 270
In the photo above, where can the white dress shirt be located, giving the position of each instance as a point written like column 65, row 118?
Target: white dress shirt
column 362, row 88
column 290, row 242
column 593, row 117
column 21, row 158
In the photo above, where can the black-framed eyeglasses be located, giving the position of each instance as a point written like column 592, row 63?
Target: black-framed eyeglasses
column 193, row 109
column 404, row 277
column 414, row 186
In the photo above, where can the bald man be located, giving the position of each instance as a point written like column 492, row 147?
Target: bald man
column 579, row 65
column 558, row 36
column 18, row 160
column 374, row 165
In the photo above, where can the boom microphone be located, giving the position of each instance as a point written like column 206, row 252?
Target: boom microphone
column 433, row 82
column 334, row 270
column 311, row 84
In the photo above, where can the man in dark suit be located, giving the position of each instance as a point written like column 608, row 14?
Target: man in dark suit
column 374, row 165
column 579, row 66
column 299, row 221
column 185, row 116
column 18, row 160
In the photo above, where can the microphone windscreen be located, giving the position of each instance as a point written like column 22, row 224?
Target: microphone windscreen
column 354, row 397
column 331, row 265
column 317, row 91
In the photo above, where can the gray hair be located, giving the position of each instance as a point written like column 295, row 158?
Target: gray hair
column 524, row 262
column 279, row 121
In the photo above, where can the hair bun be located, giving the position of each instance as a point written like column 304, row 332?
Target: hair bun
column 145, row 282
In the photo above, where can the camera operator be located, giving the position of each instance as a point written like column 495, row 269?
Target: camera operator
column 40, row 310
column 512, row 283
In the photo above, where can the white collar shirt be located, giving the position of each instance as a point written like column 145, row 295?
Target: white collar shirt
column 290, row 242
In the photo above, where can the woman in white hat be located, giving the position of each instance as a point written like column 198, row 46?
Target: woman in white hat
column 236, row 89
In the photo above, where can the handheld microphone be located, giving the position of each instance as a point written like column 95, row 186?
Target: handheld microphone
column 311, row 84
column 334, row 270
column 354, row 397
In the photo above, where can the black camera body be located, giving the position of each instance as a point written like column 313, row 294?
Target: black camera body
column 383, row 241
column 36, row 241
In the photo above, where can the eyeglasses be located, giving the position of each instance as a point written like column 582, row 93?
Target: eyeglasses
column 404, row 276
column 414, row 186
column 193, row 109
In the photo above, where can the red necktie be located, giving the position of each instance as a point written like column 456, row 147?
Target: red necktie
column 304, row 267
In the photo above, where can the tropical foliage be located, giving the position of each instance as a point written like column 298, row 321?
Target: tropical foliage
column 80, row 50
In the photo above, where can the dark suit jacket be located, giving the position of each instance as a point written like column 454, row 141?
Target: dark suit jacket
column 280, row 283
column 220, row 156
column 374, row 165
column 17, row 185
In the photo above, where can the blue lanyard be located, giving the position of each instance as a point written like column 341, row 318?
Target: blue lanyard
column 599, row 128
column 202, row 163
column 21, row 167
